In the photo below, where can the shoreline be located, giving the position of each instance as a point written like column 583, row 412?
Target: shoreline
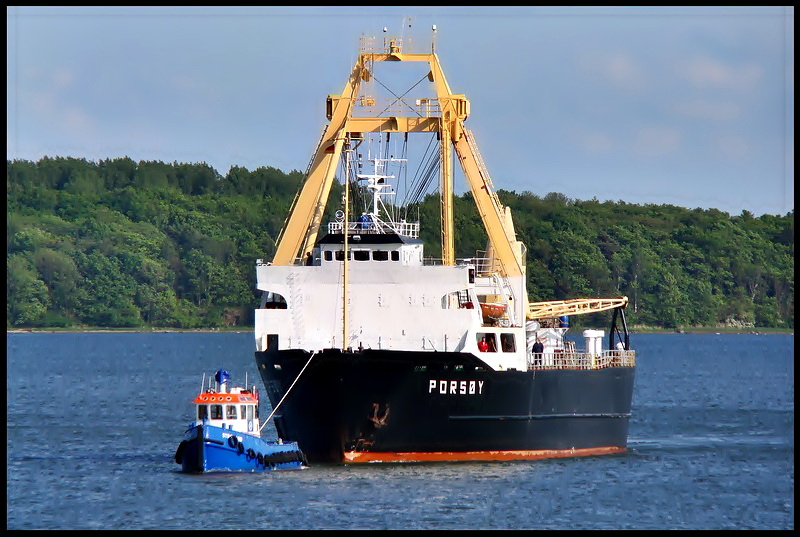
column 249, row 330
column 125, row 331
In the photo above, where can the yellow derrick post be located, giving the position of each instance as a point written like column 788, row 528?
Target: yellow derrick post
column 446, row 201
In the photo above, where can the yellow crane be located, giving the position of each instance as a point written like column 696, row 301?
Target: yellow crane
column 444, row 114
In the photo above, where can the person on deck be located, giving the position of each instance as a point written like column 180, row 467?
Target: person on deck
column 482, row 345
column 537, row 349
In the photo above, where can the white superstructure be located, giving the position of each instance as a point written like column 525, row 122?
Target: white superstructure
column 395, row 300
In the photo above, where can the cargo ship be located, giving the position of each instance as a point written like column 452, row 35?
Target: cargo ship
column 371, row 352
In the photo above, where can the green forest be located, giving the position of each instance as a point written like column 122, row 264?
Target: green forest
column 122, row 244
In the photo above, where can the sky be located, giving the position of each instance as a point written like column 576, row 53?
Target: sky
column 688, row 106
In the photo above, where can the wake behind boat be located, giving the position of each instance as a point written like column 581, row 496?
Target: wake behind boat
column 226, row 436
column 371, row 352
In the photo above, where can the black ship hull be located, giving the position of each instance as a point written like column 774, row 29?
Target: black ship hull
column 401, row 406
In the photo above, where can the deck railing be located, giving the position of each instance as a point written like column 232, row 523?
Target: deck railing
column 580, row 360
column 406, row 229
column 391, row 107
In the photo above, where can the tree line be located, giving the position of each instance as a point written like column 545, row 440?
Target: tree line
column 117, row 243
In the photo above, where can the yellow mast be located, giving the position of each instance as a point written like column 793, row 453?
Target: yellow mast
column 446, row 201
column 345, row 339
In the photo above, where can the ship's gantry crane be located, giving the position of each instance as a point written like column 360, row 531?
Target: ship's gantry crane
column 444, row 114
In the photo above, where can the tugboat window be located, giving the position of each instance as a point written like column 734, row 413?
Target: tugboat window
column 202, row 412
column 250, row 412
column 216, row 412
column 242, row 411
column 231, row 412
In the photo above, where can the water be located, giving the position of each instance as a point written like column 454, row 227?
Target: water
column 94, row 421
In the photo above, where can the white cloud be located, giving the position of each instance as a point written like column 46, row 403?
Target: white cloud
column 618, row 69
column 705, row 72
column 733, row 147
column 703, row 109
column 596, row 142
column 656, row 141
column 62, row 78
column 76, row 119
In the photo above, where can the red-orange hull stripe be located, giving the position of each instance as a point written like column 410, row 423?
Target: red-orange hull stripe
column 463, row 456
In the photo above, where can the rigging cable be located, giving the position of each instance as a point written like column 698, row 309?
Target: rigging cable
column 287, row 392
column 416, row 183
column 399, row 98
column 427, row 176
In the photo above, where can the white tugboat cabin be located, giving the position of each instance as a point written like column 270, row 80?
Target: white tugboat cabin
column 235, row 409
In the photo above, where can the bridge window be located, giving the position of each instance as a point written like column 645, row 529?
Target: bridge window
column 361, row 255
column 202, row 412
column 340, row 255
column 274, row 301
column 507, row 343
column 216, row 412
column 328, row 255
column 231, row 412
column 380, row 255
column 250, row 409
column 395, row 255
column 487, row 342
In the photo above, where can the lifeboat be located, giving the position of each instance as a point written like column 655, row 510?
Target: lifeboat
column 492, row 311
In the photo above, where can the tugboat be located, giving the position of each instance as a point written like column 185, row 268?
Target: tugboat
column 226, row 436
column 371, row 352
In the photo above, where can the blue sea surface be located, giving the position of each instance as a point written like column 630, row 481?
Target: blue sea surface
column 94, row 419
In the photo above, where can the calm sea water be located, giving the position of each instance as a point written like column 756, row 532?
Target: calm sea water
column 94, row 421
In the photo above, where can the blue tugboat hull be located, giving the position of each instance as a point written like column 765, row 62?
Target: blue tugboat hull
column 207, row 448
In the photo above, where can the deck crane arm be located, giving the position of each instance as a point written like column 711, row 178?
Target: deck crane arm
column 455, row 109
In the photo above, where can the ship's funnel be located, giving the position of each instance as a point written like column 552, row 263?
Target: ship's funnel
column 222, row 378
